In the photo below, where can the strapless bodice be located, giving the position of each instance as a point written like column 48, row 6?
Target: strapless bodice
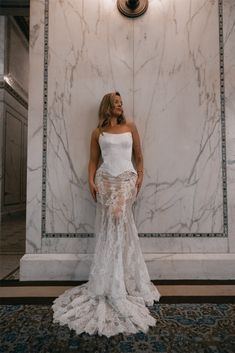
column 116, row 151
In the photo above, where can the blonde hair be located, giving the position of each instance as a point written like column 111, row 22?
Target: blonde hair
column 105, row 110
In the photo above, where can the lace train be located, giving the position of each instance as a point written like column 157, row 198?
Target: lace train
column 115, row 297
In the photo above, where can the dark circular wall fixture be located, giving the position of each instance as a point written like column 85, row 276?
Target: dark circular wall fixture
column 132, row 8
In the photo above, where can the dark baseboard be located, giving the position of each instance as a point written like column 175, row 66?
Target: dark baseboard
column 16, row 283
column 163, row 300
column 202, row 282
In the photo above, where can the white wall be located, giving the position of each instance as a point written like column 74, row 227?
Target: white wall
column 166, row 64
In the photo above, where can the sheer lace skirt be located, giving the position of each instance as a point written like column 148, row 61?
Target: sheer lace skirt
column 115, row 297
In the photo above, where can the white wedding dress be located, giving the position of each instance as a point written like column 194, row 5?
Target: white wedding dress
column 115, row 297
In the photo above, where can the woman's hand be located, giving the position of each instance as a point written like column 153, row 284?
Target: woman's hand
column 93, row 190
column 139, row 182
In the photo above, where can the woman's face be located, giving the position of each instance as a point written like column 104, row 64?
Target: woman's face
column 117, row 106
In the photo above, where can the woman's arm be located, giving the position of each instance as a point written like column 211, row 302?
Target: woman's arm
column 93, row 162
column 138, row 156
column 137, row 149
column 94, row 155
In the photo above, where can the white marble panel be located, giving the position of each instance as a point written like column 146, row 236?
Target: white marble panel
column 75, row 267
column 34, row 162
column 148, row 245
column 229, row 61
column 90, row 50
column 177, row 108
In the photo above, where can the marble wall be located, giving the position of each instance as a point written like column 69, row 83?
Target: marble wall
column 168, row 66
column 229, row 53
column 177, row 107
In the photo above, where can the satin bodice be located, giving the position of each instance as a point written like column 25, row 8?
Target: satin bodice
column 116, row 151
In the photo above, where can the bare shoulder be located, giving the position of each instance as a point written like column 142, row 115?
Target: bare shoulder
column 95, row 133
column 131, row 124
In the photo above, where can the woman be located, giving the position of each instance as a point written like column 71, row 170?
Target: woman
column 115, row 297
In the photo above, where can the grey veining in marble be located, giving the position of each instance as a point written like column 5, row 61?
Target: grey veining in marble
column 229, row 55
column 181, row 142
column 96, row 59
column 166, row 66
column 168, row 75
column 177, row 106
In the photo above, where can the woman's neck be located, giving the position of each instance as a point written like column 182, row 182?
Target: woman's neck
column 113, row 121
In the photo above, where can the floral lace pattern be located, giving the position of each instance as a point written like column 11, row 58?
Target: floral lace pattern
column 115, row 297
